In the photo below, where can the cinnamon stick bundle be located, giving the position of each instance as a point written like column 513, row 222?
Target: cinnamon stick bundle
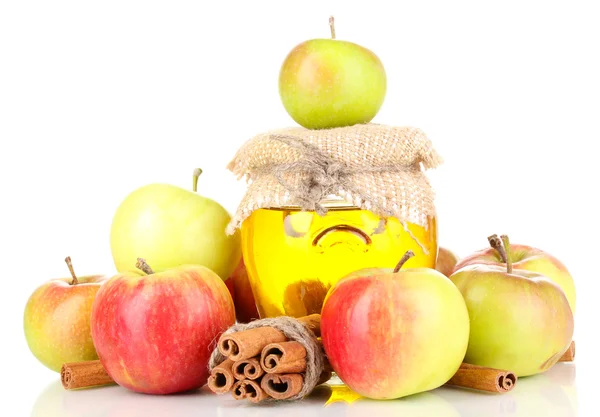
column 483, row 378
column 74, row 375
column 267, row 364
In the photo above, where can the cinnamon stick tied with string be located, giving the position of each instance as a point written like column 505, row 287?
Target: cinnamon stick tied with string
column 249, row 390
column 249, row 343
column 74, row 375
column 244, row 345
column 283, row 358
column 221, row 377
column 274, row 358
column 282, row 386
column 569, row 355
column 483, row 378
column 247, row 369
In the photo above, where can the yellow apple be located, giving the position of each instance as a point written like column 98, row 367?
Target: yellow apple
column 169, row 227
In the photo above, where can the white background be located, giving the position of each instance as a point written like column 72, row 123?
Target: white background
column 99, row 98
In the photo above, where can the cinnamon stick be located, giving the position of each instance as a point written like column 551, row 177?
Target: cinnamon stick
column 569, row 355
column 282, row 387
column 283, row 358
column 250, row 390
column 313, row 322
column 483, row 378
column 74, row 375
column 247, row 369
column 221, row 378
column 248, row 343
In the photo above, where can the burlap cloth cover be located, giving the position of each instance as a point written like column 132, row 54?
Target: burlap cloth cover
column 374, row 167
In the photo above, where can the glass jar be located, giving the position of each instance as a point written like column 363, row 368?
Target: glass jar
column 293, row 257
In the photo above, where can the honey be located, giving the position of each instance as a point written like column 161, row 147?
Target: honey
column 293, row 257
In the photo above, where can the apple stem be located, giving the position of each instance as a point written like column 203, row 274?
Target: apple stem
column 496, row 243
column 332, row 27
column 506, row 243
column 72, row 271
column 143, row 266
column 197, row 173
column 409, row 254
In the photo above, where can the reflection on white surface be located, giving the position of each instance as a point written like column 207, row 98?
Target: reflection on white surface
column 550, row 394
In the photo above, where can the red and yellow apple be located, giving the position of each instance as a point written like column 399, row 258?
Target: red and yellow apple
column 520, row 320
column 57, row 319
column 241, row 292
column 392, row 333
column 446, row 261
column 154, row 333
column 527, row 258
column 327, row 83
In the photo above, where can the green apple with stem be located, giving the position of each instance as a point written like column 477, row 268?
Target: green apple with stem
column 327, row 83
column 520, row 320
column 170, row 226
column 530, row 259
column 57, row 319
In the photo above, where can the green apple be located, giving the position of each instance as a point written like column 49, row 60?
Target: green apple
column 392, row 333
column 520, row 320
column 530, row 259
column 57, row 319
column 327, row 83
column 169, row 227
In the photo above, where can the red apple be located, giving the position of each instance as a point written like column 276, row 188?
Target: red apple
column 57, row 319
column 389, row 334
column 527, row 258
column 241, row 292
column 446, row 261
column 154, row 333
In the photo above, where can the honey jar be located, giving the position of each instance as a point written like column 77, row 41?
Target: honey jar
column 293, row 257
column 321, row 204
